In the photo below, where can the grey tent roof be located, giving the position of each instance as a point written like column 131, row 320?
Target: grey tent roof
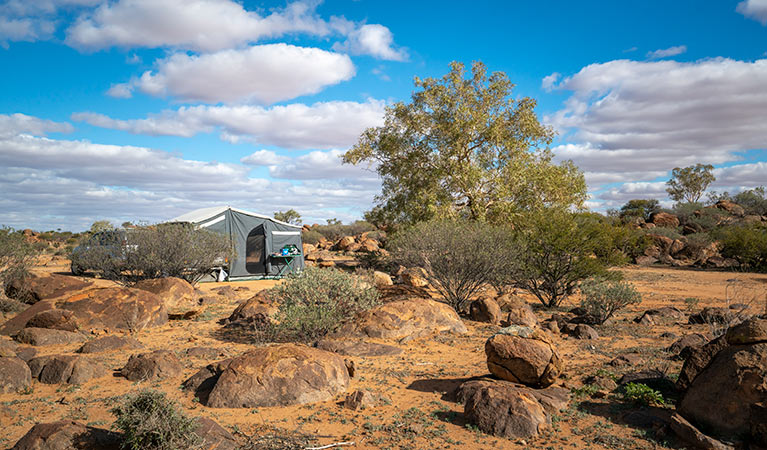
column 201, row 215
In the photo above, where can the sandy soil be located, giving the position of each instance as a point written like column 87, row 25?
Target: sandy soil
column 419, row 382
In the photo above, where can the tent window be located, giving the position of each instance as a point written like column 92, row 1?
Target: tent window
column 255, row 251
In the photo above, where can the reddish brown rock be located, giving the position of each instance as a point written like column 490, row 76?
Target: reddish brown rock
column 46, row 287
column 344, row 243
column 369, row 245
column 277, row 375
column 55, row 319
column 357, row 348
column 401, row 292
column 731, row 207
column 697, row 360
column 415, row 276
column 14, row 375
column 506, row 411
column 177, row 294
column 157, row 365
column 109, row 344
column 45, row 336
column 19, row 321
column 485, row 310
column 363, row 399
column 399, row 319
column 117, row 308
column 662, row 219
column 259, row 308
column 60, row 369
column 523, row 355
column 381, row 279
column 521, row 314
column 752, row 331
column 68, row 435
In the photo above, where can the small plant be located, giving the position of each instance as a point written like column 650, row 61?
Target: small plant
column 151, row 421
column 691, row 303
column 642, row 394
column 311, row 237
column 16, row 256
column 315, row 303
column 747, row 244
column 602, row 298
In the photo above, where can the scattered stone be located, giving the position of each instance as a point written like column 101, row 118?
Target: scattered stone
column 357, row 348
column 521, row 314
column 363, row 399
column 19, row 321
column 688, row 341
column 214, row 436
column 204, row 352
column 660, row 315
column 414, row 276
column 279, row 375
column 752, row 331
column 117, row 308
column 713, row 315
column 45, row 336
column 35, row 288
column 583, row 331
column 662, row 219
column 398, row 319
column 177, row 294
column 523, row 355
column 55, row 319
column 157, row 365
column 257, row 309
column 60, row 369
column 628, row 359
column 604, row 385
column 15, row 375
column 401, row 292
column 697, row 360
column 68, row 435
column 109, row 344
column 381, row 279
column 551, row 325
column 691, row 435
column 485, row 310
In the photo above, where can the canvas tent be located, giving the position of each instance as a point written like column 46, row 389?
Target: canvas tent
column 255, row 238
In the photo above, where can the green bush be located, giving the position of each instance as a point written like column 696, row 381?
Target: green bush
column 311, row 237
column 151, row 421
column 602, row 298
column 671, row 233
column 639, row 208
column 459, row 257
column 336, row 231
column 641, row 394
column 696, row 242
column 16, row 256
column 316, row 302
column 747, row 244
column 558, row 251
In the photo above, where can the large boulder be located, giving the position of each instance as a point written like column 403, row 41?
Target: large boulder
column 55, row 319
column 731, row 207
column 19, row 321
column 14, row 375
column 117, row 308
column 404, row 318
column 46, row 336
column 414, row 276
column 256, row 309
column 726, row 395
column 177, row 294
column 713, row 315
column 110, row 343
column 280, row 375
column 523, row 355
column 698, row 358
column 59, row 369
column 156, row 365
column 662, row 219
column 345, row 243
column 660, row 315
column 68, row 435
column 752, row 331
column 485, row 310
column 687, row 343
column 34, row 288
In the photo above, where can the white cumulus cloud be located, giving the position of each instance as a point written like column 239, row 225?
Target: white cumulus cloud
column 754, row 9
column 264, row 158
column 666, row 52
column 372, row 39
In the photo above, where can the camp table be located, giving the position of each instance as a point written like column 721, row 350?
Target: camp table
column 288, row 262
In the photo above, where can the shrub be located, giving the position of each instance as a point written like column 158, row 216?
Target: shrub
column 602, row 298
column 335, row 231
column 16, row 256
column 696, row 242
column 642, row 394
column 671, row 233
column 747, row 244
column 316, row 302
column 311, row 237
column 459, row 257
column 151, row 421
column 640, row 208
column 705, row 219
column 558, row 251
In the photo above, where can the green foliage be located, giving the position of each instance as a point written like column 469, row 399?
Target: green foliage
column 747, row 244
column 289, row 216
column 558, row 251
column 16, row 256
column 459, row 257
column 641, row 394
column 151, row 421
column 464, row 148
column 602, row 298
column 336, row 231
column 671, row 233
column 753, row 201
column 315, row 303
column 688, row 184
column 311, row 237
column 101, row 225
column 700, row 218
column 640, row 208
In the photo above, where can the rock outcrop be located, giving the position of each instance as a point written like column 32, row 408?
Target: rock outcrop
column 523, row 355
column 117, row 308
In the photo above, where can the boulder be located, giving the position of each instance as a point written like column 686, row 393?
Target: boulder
column 68, row 435
column 677, row 247
column 256, row 309
column 415, row 276
column 691, row 435
column 523, row 355
column 279, row 375
column 723, row 397
column 687, row 343
column 109, row 344
column 60, row 369
column 357, row 348
column 697, row 360
column 628, row 359
column 553, row 399
column 309, row 248
column 662, row 219
column 381, row 279
column 485, row 310
column 504, row 410
column 14, row 375
column 646, row 260
column 752, row 331
column 46, row 336
column 662, row 243
column 345, row 243
column 157, row 365
column 55, row 319
column 713, row 315
column 214, row 436
column 731, row 207
column 401, row 292
column 404, row 318
column 363, row 399
column 521, row 314
column 177, row 294
column 117, row 308
column 19, row 321
column 35, row 288
column 369, row 245
column 660, row 315
column 583, row 331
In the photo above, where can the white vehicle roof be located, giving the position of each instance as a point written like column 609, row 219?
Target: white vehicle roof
column 203, row 214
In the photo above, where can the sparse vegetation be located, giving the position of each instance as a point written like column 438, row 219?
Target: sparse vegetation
column 603, row 298
column 336, row 230
column 688, row 184
column 747, row 244
column 643, row 395
column 151, row 421
column 16, row 257
column 290, row 216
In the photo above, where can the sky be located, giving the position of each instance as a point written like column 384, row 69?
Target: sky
column 142, row 110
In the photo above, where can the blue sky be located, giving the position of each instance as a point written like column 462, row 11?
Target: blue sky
column 140, row 110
